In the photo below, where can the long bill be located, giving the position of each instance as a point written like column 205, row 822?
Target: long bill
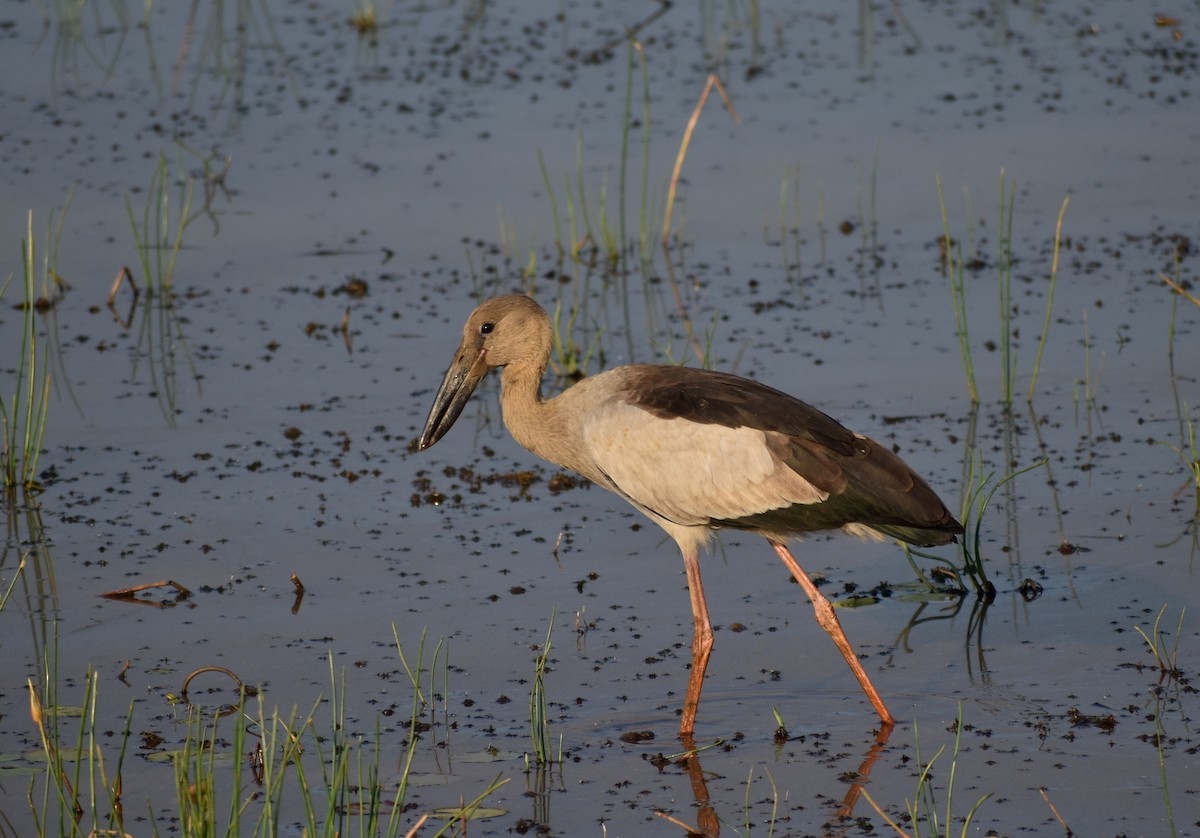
column 469, row 366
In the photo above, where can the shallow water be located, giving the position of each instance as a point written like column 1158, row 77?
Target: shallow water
column 236, row 437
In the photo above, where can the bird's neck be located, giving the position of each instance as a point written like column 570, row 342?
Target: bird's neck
column 521, row 402
column 532, row 421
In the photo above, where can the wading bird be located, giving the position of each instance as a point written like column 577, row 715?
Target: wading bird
column 696, row 451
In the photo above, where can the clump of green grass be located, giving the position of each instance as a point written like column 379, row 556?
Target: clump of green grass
column 591, row 234
column 242, row 769
column 971, row 569
column 955, row 264
column 159, row 235
column 748, row 822
column 24, row 414
column 1166, row 661
column 589, row 228
column 1189, row 453
column 1166, row 656
column 365, row 18
column 924, row 814
column 1087, row 387
column 539, row 720
column 571, row 358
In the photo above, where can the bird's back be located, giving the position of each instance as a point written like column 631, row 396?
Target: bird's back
column 704, row 448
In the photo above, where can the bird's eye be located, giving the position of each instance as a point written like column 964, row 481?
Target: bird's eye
column 486, row 328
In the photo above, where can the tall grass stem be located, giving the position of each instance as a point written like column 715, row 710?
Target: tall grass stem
column 955, row 273
column 1037, row 361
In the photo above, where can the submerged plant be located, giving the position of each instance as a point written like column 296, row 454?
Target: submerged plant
column 234, row 770
column 954, row 264
column 6, row 590
column 23, row 415
column 926, row 817
column 972, row 568
column 1004, row 263
column 159, row 236
column 539, row 722
column 1166, row 661
column 1037, row 361
column 571, row 358
column 1166, row 657
column 365, row 18
column 1188, row 452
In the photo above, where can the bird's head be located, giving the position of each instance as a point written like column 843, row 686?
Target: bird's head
column 504, row 330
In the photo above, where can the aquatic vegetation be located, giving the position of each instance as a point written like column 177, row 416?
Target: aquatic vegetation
column 1037, row 361
column 1166, row 660
column 23, row 415
column 6, row 590
column 235, row 766
column 712, row 82
column 366, row 17
column 591, row 228
column 954, row 265
column 159, row 236
column 924, row 814
column 571, row 357
column 972, row 567
column 1166, row 657
column 539, row 721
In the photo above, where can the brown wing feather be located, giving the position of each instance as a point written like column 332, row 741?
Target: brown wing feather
column 866, row 482
column 712, row 397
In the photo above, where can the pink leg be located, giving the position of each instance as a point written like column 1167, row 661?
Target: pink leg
column 828, row 620
column 702, row 643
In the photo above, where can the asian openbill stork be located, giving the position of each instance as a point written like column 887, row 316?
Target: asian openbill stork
column 696, row 451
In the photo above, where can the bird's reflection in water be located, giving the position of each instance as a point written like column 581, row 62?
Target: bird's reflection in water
column 708, row 822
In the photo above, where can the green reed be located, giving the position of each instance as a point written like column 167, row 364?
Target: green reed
column 954, row 267
column 159, row 235
column 571, row 357
column 1166, row 661
column 242, row 769
column 926, row 815
column 539, row 720
column 1037, row 362
column 971, row 567
column 1004, row 263
column 955, row 271
column 24, row 415
column 589, row 224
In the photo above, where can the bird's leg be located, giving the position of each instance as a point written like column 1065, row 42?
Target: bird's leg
column 828, row 620
column 702, row 642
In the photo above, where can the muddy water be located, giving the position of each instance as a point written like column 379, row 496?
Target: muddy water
column 259, row 427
